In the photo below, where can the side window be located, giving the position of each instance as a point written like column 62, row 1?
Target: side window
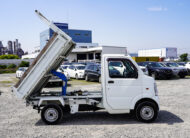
column 71, row 67
column 95, row 68
column 121, row 68
column 92, row 67
column 88, row 67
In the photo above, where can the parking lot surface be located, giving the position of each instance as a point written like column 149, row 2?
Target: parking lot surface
column 17, row 120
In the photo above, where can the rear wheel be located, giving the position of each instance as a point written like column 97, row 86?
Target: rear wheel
column 51, row 114
column 153, row 75
column 99, row 80
column 146, row 112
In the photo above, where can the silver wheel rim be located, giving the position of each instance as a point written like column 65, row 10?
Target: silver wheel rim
column 51, row 114
column 147, row 112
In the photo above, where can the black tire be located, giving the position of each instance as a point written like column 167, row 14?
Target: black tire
column 76, row 77
column 99, row 79
column 53, row 111
column 86, row 77
column 182, row 76
column 146, row 112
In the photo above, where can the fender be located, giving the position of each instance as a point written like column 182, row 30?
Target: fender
column 60, row 99
column 139, row 97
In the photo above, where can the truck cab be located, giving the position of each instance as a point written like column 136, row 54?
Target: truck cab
column 125, row 88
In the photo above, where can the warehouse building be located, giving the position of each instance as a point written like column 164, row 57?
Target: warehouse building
column 78, row 36
column 165, row 53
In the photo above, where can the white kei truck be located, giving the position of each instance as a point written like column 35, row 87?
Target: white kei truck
column 124, row 86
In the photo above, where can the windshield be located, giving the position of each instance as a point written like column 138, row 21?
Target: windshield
column 64, row 67
column 172, row 64
column 163, row 65
column 115, row 64
column 182, row 64
column 155, row 64
column 21, row 69
column 80, row 67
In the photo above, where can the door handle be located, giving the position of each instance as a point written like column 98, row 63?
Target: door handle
column 110, row 81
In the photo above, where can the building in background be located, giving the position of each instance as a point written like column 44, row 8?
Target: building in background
column 1, row 47
column 78, row 36
column 84, row 49
column 32, row 55
column 168, row 53
column 10, row 47
column 13, row 47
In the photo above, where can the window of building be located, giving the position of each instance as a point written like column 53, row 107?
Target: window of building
column 90, row 56
column 77, row 34
column 81, row 56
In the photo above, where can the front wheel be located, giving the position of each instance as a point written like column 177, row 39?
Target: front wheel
column 51, row 114
column 86, row 77
column 146, row 112
column 182, row 76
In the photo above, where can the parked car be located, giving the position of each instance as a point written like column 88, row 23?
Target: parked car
column 20, row 71
column 174, row 69
column 93, row 72
column 181, row 64
column 63, row 67
column 177, row 71
column 187, row 66
column 118, row 65
column 144, row 69
column 156, row 70
column 76, row 71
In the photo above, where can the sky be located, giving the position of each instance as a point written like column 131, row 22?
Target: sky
column 137, row 24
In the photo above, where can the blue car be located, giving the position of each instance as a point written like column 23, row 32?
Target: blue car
column 156, row 70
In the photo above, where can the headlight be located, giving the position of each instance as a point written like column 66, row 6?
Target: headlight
column 155, row 89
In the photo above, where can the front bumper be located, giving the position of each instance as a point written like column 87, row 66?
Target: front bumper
column 157, row 100
column 81, row 76
column 165, row 74
column 183, row 73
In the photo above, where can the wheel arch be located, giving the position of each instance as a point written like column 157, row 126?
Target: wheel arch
column 48, row 100
column 146, row 100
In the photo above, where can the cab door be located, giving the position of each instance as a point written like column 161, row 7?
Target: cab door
column 122, row 83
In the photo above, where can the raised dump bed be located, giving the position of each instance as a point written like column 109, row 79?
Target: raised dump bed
column 50, row 58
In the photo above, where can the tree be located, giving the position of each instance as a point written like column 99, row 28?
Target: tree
column 11, row 66
column 183, row 57
column 9, row 57
column 24, row 64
